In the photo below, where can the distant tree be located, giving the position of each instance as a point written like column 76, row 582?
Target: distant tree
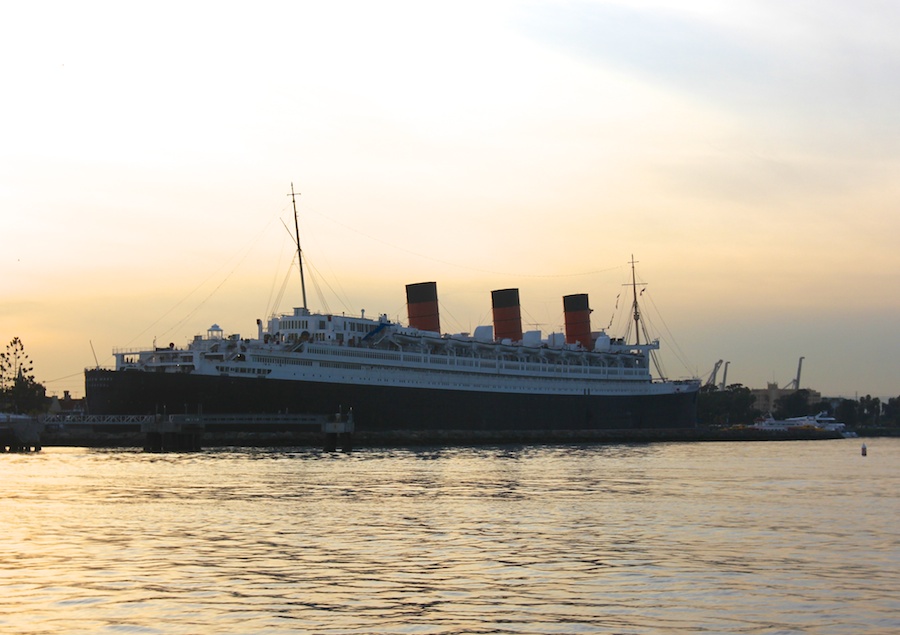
column 731, row 406
column 795, row 404
column 19, row 391
column 870, row 410
column 13, row 362
column 891, row 412
column 847, row 412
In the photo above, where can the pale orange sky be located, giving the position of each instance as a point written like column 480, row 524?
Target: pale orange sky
column 744, row 152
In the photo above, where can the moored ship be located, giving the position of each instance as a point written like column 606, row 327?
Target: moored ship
column 403, row 377
column 406, row 377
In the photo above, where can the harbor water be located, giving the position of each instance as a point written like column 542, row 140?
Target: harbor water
column 749, row 538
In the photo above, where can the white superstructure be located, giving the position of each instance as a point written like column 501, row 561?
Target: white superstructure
column 307, row 346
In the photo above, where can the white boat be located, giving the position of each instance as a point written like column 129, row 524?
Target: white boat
column 821, row 421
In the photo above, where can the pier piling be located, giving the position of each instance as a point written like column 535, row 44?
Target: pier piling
column 338, row 430
column 170, row 435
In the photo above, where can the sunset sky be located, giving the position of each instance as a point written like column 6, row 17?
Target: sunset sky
column 746, row 153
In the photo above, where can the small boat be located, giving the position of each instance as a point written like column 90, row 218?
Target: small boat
column 821, row 421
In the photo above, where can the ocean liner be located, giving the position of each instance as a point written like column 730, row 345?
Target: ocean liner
column 407, row 377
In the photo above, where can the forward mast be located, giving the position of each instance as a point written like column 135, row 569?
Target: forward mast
column 299, row 251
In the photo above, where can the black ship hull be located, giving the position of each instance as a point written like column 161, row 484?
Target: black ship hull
column 382, row 408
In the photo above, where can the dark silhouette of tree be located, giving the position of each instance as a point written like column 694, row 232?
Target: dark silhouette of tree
column 19, row 391
column 13, row 363
column 869, row 410
column 795, row 404
column 822, row 406
column 891, row 412
column 847, row 412
column 732, row 406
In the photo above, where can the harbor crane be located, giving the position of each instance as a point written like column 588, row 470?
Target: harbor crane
column 794, row 384
column 712, row 376
column 724, row 376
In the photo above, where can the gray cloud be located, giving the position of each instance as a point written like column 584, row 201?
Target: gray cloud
column 811, row 64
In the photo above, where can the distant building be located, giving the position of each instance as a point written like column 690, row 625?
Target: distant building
column 766, row 397
column 66, row 404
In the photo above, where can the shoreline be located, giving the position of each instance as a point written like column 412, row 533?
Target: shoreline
column 405, row 438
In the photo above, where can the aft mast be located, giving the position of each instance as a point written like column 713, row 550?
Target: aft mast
column 639, row 325
column 299, row 251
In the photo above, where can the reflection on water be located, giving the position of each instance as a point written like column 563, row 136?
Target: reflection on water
column 792, row 537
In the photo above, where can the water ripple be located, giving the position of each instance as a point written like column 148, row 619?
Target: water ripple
column 751, row 538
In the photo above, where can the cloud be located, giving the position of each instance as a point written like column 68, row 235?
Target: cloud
column 804, row 63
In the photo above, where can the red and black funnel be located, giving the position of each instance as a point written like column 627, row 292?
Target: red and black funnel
column 507, row 315
column 422, row 306
column 578, row 320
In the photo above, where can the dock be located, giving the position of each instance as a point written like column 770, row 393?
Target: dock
column 187, row 432
column 20, row 433
column 190, row 433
